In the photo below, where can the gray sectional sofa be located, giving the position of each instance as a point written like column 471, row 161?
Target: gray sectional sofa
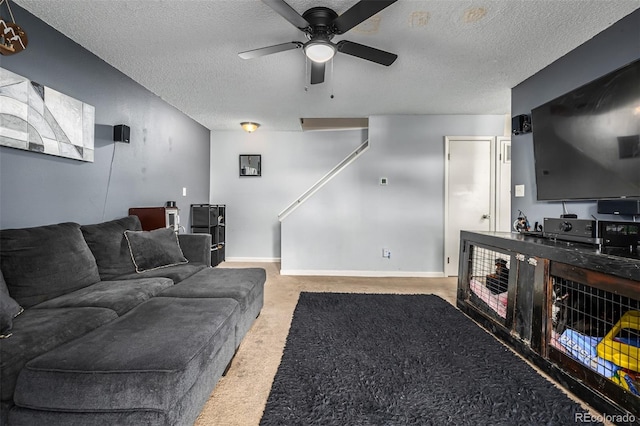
column 109, row 324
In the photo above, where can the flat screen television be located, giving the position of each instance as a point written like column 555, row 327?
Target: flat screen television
column 586, row 142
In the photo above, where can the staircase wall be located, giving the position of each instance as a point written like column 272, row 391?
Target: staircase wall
column 343, row 228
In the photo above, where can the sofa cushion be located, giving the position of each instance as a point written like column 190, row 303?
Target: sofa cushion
column 177, row 273
column 37, row 331
column 145, row 360
column 121, row 296
column 9, row 309
column 45, row 262
column 109, row 246
column 244, row 285
column 154, row 249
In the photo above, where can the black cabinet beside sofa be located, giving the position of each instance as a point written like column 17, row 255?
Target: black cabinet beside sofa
column 211, row 219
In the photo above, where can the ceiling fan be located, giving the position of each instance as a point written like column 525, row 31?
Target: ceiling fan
column 320, row 24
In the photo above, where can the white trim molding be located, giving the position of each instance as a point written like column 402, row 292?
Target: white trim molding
column 253, row 259
column 329, row 273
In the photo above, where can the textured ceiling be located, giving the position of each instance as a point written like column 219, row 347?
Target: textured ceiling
column 454, row 57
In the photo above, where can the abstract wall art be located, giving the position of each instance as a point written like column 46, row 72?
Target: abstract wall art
column 39, row 119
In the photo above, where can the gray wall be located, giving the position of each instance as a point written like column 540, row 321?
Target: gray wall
column 616, row 46
column 345, row 225
column 168, row 150
column 291, row 163
column 343, row 228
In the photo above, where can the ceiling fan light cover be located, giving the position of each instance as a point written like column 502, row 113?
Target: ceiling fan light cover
column 319, row 52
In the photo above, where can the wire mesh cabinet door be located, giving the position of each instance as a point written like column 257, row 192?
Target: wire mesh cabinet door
column 508, row 288
column 489, row 282
column 593, row 330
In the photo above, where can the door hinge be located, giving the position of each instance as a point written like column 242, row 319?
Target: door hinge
column 449, row 156
column 448, row 261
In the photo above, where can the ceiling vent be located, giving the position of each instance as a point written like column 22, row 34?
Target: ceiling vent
column 313, row 124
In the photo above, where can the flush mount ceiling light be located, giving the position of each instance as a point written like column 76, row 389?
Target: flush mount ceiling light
column 249, row 127
column 319, row 51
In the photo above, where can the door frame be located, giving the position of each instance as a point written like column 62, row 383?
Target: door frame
column 492, row 191
column 503, row 145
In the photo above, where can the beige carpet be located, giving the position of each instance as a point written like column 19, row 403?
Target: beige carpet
column 240, row 397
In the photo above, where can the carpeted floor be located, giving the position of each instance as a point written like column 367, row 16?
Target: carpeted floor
column 373, row 359
column 240, row 397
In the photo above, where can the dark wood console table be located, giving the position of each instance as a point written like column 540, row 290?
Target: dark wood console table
column 556, row 296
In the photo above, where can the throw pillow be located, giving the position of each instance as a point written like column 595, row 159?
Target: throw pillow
column 154, row 249
column 109, row 246
column 45, row 262
column 9, row 309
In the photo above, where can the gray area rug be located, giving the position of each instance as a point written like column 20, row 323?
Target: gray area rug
column 373, row 359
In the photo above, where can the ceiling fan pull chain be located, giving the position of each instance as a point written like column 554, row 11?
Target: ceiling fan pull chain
column 332, row 85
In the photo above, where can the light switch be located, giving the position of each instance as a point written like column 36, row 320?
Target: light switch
column 519, row 190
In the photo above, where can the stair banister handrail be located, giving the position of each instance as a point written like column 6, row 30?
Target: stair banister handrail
column 324, row 180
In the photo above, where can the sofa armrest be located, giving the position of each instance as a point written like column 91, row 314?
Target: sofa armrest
column 196, row 247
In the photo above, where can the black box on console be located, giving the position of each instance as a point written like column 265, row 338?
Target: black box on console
column 619, row 234
column 623, row 207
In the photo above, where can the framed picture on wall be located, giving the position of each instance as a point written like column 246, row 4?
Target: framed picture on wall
column 39, row 119
column 250, row 165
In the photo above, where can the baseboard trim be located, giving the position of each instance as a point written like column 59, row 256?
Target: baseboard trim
column 253, row 259
column 329, row 273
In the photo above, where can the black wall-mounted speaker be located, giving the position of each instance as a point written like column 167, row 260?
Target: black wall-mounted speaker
column 623, row 207
column 121, row 133
column 521, row 124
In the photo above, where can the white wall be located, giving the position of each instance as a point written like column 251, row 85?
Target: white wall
column 291, row 163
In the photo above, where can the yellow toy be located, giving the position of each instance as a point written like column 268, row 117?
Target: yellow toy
column 622, row 354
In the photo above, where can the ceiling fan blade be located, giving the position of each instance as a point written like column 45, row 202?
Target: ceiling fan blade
column 317, row 72
column 358, row 13
column 256, row 53
column 288, row 13
column 366, row 52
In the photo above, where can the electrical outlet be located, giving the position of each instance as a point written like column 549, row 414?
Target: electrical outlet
column 386, row 253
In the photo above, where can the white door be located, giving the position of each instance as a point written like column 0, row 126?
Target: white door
column 469, row 192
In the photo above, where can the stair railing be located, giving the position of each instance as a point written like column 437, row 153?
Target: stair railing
column 324, row 180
